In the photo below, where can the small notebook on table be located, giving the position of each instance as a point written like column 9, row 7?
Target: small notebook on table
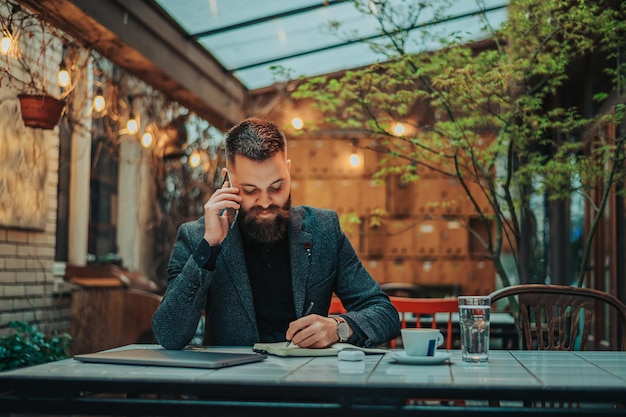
column 281, row 349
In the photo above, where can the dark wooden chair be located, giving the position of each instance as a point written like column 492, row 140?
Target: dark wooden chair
column 556, row 317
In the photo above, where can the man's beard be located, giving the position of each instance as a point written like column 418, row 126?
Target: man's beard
column 266, row 230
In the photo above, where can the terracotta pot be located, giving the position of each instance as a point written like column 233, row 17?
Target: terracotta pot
column 41, row 111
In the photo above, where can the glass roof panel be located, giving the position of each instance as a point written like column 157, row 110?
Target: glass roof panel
column 248, row 38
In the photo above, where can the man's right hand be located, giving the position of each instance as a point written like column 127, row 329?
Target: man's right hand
column 215, row 225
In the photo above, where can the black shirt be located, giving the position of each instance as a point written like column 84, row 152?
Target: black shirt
column 269, row 269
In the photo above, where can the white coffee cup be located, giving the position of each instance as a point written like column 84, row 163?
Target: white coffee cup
column 421, row 342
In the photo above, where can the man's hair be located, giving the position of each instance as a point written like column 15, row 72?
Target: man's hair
column 255, row 139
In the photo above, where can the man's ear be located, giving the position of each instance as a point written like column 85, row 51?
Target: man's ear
column 288, row 165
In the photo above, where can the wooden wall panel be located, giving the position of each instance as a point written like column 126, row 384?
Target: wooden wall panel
column 399, row 237
column 427, row 237
column 298, row 152
column 453, row 238
column 372, row 196
column 321, row 158
column 427, row 272
column 399, row 269
column 376, row 268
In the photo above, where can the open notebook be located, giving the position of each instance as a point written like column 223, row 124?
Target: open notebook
column 281, row 349
column 180, row 358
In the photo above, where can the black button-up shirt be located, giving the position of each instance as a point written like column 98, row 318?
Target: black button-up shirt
column 269, row 269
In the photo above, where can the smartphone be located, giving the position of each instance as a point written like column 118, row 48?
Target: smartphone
column 231, row 213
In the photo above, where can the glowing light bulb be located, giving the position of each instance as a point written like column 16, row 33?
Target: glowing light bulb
column 355, row 160
column 5, row 45
column 195, row 159
column 132, row 125
column 297, row 123
column 398, row 129
column 63, row 78
column 146, row 140
column 99, row 102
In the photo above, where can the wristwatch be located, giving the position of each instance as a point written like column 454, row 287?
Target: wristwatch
column 343, row 330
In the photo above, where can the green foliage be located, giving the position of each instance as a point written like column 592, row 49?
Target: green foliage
column 28, row 346
column 491, row 115
column 349, row 221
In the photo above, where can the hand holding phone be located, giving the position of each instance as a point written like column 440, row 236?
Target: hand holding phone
column 218, row 217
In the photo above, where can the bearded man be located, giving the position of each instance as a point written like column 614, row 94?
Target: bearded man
column 263, row 271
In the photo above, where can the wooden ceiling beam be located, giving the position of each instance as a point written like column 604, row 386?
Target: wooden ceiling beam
column 139, row 39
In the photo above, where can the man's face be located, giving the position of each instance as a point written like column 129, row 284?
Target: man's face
column 265, row 187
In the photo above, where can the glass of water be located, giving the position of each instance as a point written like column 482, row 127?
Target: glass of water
column 474, row 314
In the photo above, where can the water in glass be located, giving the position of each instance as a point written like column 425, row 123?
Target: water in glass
column 474, row 332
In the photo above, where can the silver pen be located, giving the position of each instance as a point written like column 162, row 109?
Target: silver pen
column 306, row 313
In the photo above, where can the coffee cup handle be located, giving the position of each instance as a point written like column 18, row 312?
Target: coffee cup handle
column 439, row 340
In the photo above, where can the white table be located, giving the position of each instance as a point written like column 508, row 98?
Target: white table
column 322, row 386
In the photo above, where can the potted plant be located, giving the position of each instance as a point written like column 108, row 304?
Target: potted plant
column 41, row 110
column 31, row 49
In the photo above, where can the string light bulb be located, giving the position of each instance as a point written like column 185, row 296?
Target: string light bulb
column 99, row 102
column 195, row 159
column 355, row 158
column 5, row 45
column 132, row 125
column 398, row 129
column 63, row 77
column 297, row 123
column 147, row 140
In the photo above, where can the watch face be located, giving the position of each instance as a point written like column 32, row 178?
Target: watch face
column 343, row 331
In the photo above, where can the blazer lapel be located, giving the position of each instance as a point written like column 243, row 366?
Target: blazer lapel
column 301, row 250
column 235, row 262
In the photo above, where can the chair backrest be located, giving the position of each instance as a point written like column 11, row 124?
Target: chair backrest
column 335, row 306
column 557, row 317
column 416, row 308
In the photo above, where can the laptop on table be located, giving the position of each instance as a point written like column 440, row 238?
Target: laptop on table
column 187, row 358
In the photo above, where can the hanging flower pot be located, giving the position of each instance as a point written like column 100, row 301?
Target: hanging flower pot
column 41, row 111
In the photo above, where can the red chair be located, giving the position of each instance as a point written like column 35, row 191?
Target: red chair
column 336, row 307
column 419, row 307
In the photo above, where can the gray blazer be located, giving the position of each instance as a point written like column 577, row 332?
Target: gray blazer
column 322, row 262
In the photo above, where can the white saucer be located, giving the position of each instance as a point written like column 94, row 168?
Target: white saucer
column 402, row 358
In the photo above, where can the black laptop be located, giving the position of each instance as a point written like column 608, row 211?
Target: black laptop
column 187, row 358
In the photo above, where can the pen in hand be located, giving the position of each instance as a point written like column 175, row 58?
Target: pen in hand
column 306, row 313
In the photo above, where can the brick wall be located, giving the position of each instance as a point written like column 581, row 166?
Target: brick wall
column 27, row 282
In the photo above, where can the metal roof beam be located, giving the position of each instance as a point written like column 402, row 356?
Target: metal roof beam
column 263, row 19
column 367, row 38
